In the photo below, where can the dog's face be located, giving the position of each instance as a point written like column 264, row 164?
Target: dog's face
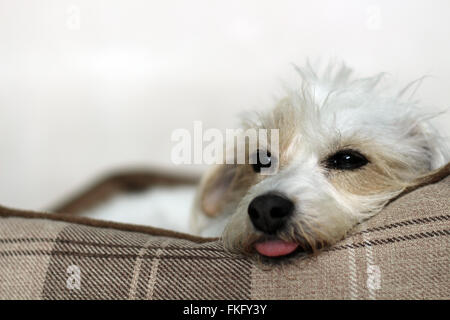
column 344, row 151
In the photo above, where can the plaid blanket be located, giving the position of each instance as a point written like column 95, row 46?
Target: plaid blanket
column 402, row 253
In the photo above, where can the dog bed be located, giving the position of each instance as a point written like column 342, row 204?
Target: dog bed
column 401, row 253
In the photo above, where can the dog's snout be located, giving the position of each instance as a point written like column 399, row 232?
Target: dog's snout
column 269, row 212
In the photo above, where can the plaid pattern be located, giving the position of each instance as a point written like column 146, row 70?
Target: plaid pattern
column 402, row 253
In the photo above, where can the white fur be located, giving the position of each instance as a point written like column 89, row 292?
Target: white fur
column 162, row 207
column 330, row 110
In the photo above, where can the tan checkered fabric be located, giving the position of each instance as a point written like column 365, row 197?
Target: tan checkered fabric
column 402, row 253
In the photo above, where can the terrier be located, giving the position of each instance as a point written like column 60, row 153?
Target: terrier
column 347, row 146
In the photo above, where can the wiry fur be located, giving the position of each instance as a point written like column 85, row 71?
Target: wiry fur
column 331, row 111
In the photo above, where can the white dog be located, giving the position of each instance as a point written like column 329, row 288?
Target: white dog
column 346, row 148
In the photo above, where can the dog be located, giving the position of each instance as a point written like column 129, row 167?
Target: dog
column 347, row 146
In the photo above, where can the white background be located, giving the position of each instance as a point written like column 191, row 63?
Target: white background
column 87, row 87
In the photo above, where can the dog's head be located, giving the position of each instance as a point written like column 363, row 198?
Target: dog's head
column 345, row 149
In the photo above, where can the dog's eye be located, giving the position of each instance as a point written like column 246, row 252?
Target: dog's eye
column 346, row 160
column 263, row 160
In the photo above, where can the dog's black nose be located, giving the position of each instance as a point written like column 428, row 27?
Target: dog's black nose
column 269, row 212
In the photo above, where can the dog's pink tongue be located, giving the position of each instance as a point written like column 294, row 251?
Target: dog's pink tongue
column 275, row 248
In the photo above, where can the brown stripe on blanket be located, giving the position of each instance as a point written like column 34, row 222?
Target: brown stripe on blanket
column 376, row 242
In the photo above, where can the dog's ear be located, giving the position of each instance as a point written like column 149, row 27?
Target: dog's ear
column 432, row 176
column 215, row 188
column 429, row 178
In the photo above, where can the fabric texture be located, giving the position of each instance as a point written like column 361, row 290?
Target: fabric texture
column 401, row 253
